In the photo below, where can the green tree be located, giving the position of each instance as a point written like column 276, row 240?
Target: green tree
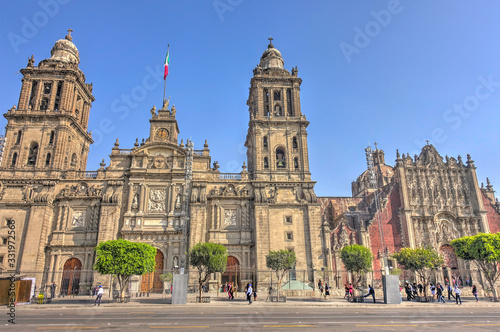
column 166, row 277
column 123, row 259
column 280, row 261
column 358, row 260
column 484, row 250
column 207, row 258
column 420, row 261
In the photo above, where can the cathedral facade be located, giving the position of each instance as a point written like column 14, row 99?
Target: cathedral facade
column 165, row 193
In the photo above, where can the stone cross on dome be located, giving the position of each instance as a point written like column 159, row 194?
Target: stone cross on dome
column 270, row 42
column 68, row 36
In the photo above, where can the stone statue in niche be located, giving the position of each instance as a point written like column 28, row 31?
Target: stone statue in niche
column 178, row 201
column 135, row 201
column 78, row 219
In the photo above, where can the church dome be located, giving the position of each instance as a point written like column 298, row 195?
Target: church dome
column 271, row 58
column 64, row 50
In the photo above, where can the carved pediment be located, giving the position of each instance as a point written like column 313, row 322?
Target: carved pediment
column 81, row 190
column 429, row 157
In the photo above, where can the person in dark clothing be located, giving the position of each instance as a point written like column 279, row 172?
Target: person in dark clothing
column 439, row 293
column 450, row 292
column 408, row 292
column 371, row 292
column 53, row 290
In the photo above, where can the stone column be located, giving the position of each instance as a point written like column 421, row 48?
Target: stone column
column 142, row 197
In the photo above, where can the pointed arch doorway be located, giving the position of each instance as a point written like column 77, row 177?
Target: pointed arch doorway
column 70, row 282
column 232, row 273
column 151, row 282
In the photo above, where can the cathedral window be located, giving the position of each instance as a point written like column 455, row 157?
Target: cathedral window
column 1, row 260
column 265, row 143
column 288, row 236
column 289, row 102
column 52, row 136
column 14, row 159
column 288, row 220
column 58, row 96
column 266, row 96
column 19, row 134
column 33, row 153
column 34, row 88
column 295, row 143
column 266, row 110
column 277, row 95
column 280, row 158
column 266, row 162
column 296, row 163
column 46, row 88
column 47, row 159
column 73, row 160
column 44, row 104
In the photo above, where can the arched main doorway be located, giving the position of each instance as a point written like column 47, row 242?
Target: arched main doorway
column 232, row 273
column 151, row 282
column 450, row 263
column 70, row 282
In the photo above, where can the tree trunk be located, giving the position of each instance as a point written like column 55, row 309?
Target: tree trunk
column 200, row 282
column 493, row 290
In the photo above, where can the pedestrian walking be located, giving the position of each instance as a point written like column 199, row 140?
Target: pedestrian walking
column 351, row 290
column 458, row 292
column 420, row 288
column 327, row 290
column 450, row 292
column 229, row 290
column 400, row 296
column 474, row 292
column 249, row 293
column 53, row 290
column 346, row 289
column 414, row 289
column 371, row 292
column 100, row 292
column 439, row 292
column 467, row 282
column 433, row 291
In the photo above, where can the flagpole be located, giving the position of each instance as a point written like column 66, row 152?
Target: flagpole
column 165, row 80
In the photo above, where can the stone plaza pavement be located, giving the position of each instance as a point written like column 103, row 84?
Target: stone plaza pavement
column 156, row 300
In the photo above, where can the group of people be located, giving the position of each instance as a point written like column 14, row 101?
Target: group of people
column 437, row 291
column 324, row 289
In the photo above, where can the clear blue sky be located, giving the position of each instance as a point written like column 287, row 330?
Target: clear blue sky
column 421, row 73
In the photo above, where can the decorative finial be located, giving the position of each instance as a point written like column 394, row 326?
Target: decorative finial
column 470, row 162
column 68, row 36
column 488, row 184
column 397, row 154
column 102, row 164
column 205, row 146
column 142, row 143
column 136, row 144
column 244, row 167
column 270, row 42
column 427, row 141
column 31, row 61
column 117, row 143
column 182, row 143
column 376, row 148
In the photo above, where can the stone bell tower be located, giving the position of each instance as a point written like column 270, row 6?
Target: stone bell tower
column 48, row 129
column 285, row 207
column 277, row 135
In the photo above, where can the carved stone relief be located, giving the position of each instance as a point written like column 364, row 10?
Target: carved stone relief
column 78, row 219
column 229, row 217
column 157, row 200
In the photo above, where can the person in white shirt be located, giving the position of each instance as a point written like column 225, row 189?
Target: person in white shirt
column 99, row 296
column 457, row 294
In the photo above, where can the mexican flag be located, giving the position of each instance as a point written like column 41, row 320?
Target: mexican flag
column 167, row 60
